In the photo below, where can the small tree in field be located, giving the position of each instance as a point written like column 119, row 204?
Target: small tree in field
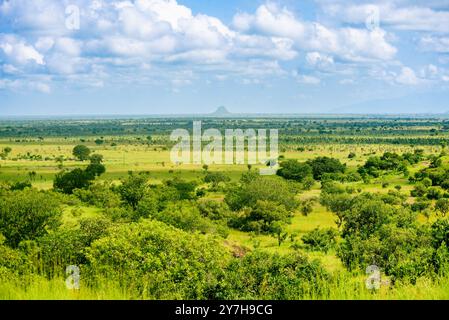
column 96, row 158
column 81, row 152
column 307, row 206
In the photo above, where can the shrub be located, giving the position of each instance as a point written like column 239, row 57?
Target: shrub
column 27, row 215
column 98, row 194
column 261, row 218
column 322, row 165
column 263, row 189
column 294, row 170
column 320, row 239
column 261, row 275
column 143, row 256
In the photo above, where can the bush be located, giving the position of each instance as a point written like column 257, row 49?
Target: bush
column 260, row 275
column 322, row 165
column 65, row 247
column 320, row 239
column 434, row 193
column 261, row 218
column 13, row 261
column 27, row 215
column 143, row 256
column 99, row 195
column 264, row 189
column 294, row 170
column 214, row 210
column 215, row 178
column 185, row 215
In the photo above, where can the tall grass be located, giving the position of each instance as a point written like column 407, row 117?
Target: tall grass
column 343, row 286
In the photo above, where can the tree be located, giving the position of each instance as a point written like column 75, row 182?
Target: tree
column 259, row 188
column 68, row 181
column 320, row 239
column 366, row 215
column 308, row 183
column 133, row 189
column 277, row 229
column 440, row 232
column 96, row 158
column 338, row 203
column 264, row 217
column 215, row 178
column 95, row 170
column 6, row 151
column 81, row 152
column 322, row 165
column 184, row 189
column 100, row 195
column 27, row 215
column 442, row 205
column 307, row 206
column 294, row 170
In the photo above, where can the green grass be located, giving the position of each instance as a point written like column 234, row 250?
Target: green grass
column 343, row 286
column 121, row 159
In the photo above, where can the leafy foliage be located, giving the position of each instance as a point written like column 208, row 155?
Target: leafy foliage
column 27, row 215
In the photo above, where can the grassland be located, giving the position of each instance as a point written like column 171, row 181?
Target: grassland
column 125, row 152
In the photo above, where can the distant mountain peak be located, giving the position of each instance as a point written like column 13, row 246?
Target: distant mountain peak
column 221, row 111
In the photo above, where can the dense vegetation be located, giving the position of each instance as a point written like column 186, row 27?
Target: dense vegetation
column 71, row 196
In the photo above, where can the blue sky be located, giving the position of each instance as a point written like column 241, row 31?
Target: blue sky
column 191, row 56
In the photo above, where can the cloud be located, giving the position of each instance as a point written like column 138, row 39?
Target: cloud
column 398, row 16
column 316, row 59
column 407, row 77
column 306, row 79
column 19, row 85
column 118, row 40
column 434, row 43
column 271, row 19
column 119, row 37
column 18, row 51
column 348, row 43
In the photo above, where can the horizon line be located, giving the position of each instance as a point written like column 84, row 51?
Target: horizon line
column 214, row 115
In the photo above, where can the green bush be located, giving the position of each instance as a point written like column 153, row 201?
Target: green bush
column 157, row 261
column 99, row 195
column 320, row 239
column 261, row 189
column 294, row 170
column 261, row 275
column 27, row 215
